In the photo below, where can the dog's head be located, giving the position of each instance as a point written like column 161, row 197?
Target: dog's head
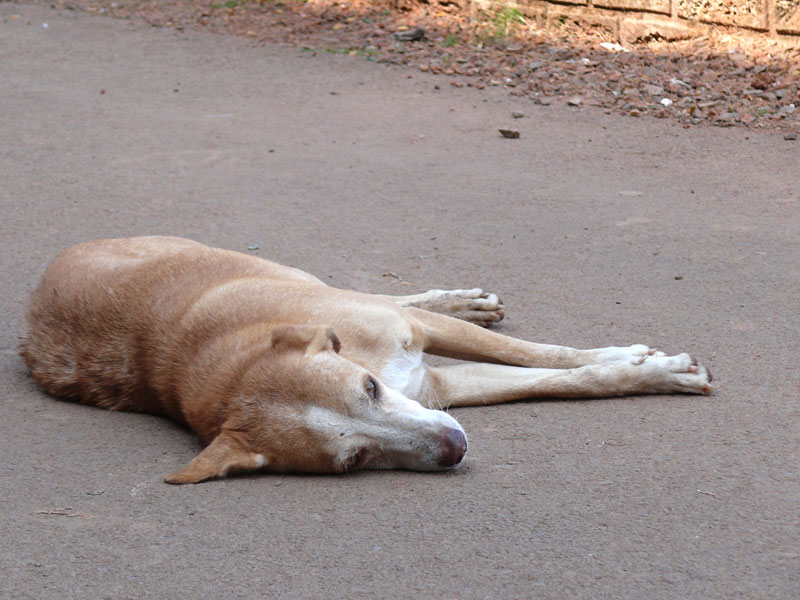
column 301, row 406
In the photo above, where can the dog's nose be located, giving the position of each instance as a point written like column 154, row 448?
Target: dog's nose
column 454, row 447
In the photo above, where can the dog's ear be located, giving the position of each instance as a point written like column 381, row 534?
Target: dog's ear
column 224, row 454
column 308, row 338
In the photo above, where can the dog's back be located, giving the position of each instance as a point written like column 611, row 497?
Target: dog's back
column 101, row 322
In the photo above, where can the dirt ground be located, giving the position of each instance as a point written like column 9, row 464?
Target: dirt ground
column 720, row 79
column 595, row 228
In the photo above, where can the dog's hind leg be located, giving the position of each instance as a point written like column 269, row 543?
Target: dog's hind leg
column 477, row 384
column 475, row 305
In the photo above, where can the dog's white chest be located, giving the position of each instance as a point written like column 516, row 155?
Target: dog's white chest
column 404, row 372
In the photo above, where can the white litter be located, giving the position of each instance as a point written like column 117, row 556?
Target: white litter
column 676, row 81
column 613, row 47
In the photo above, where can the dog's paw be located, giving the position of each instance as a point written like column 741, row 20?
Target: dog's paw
column 676, row 374
column 475, row 306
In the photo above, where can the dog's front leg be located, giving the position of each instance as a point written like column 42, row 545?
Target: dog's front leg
column 475, row 305
column 478, row 384
column 446, row 336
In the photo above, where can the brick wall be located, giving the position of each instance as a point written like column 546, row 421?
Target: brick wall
column 670, row 19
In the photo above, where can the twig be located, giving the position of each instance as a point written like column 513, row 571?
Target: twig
column 64, row 512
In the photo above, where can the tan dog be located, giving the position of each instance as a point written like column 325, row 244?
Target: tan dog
column 272, row 368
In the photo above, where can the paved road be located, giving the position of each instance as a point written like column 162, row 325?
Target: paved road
column 594, row 229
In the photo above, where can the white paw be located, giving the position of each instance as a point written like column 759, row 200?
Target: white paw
column 676, row 374
column 475, row 306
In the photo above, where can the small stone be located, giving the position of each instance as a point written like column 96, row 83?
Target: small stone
column 574, row 101
column 509, row 133
column 762, row 81
column 653, row 90
column 517, row 114
column 790, row 136
column 535, row 65
column 741, row 61
column 635, row 112
column 410, row 35
column 678, row 277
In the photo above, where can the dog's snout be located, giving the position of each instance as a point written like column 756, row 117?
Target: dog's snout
column 453, row 446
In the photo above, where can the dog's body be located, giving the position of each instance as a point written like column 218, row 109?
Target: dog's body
column 272, row 368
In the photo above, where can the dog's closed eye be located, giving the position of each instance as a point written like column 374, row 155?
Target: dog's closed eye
column 371, row 387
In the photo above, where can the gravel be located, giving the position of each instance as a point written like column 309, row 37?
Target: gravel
column 720, row 80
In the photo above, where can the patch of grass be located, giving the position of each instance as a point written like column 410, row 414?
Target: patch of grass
column 450, row 40
column 506, row 19
column 501, row 23
column 509, row 15
column 230, row 4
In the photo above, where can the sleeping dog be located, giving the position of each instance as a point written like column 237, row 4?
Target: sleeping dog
column 274, row 369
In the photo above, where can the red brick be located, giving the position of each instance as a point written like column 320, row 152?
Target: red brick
column 788, row 16
column 632, row 29
column 742, row 13
column 658, row 6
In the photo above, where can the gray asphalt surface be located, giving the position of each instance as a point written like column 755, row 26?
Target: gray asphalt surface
column 594, row 229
